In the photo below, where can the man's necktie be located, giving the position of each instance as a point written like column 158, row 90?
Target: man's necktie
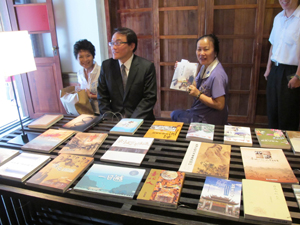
column 124, row 75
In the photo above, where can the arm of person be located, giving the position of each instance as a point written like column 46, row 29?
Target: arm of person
column 103, row 93
column 148, row 101
column 269, row 64
column 217, row 103
column 295, row 82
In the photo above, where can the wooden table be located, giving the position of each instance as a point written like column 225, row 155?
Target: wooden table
column 21, row 203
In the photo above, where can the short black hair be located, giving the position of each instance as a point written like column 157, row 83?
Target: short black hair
column 84, row 44
column 213, row 38
column 130, row 35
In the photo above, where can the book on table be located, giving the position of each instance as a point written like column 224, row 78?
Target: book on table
column 200, row 132
column 48, row 141
column 296, row 190
column 111, row 180
column 127, row 126
column 220, row 197
column 265, row 201
column 267, row 165
column 184, row 75
column 128, row 150
column 45, row 121
column 82, row 123
column 23, row 166
column 164, row 130
column 206, row 159
column 234, row 135
column 7, row 154
column 294, row 139
column 84, row 144
column 162, row 188
column 271, row 138
column 61, row 172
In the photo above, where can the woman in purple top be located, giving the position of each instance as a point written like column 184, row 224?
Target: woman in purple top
column 210, row 88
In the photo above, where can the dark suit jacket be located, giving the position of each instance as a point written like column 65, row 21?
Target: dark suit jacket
column 141, row 92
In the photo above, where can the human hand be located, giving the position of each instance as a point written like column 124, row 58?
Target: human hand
column 193, row 91
column 175, row 66
column 267, row 72
column 294, row 83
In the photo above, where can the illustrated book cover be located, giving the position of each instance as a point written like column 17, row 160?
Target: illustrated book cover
column 164, row 130
column 7, row 154
column 220, row 197
column 162, row 188
column 265, row 201
column 48, row 141
column 234, row 135
column 45, row 121
column 127, row 126
column 294, row 139
column 23, row 166
column 84, row 144
column 296, row 189
column 267, row 165
column 184, row 75
column 200, row 132
column 206, row 159
column 111, row 180
column 128, row 150
column 82, row 123
column 271, row 138
column 61, row 172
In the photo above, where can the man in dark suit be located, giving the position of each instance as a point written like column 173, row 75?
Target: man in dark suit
column 127, row 82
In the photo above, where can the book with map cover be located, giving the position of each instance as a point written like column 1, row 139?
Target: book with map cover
column 294, row 139
column 23, row 166
column 265, row 201
column 82, row 123
column 164, row 130
column 7, row 154
column 271, row 138
column 61, row 172
column 162, row 188
column 128, row 150
column 48, row 141
column 84, row 144
column 200, row 132
column 220, row 197
column 184, row 75
column 45, row 121
column 234, row 135
column 267, row 165
column 206, row 159
column 111, row 180
column 127, row 126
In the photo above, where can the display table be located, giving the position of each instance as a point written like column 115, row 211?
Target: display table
column 21, row 203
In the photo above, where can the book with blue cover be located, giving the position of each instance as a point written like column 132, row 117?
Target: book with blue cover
column 127, row 126
column 111, row 180
column 220, row 197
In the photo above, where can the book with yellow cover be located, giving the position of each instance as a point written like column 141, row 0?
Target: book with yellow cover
column 84, row 144
column 265, row 201
column 206, row 159
column 162, row 188
column 267, row 165
column 48, row 141
column 164, row 130
column 61, row 172
column 45, row 121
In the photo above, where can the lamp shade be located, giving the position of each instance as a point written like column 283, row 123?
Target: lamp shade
column 16, row 55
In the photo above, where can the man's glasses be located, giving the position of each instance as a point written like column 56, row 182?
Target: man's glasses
column 117, row 43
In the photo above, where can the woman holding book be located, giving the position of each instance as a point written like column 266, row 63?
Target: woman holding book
column 87, row 76
column 210, row 88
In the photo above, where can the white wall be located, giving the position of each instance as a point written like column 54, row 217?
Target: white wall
column 79, row 19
